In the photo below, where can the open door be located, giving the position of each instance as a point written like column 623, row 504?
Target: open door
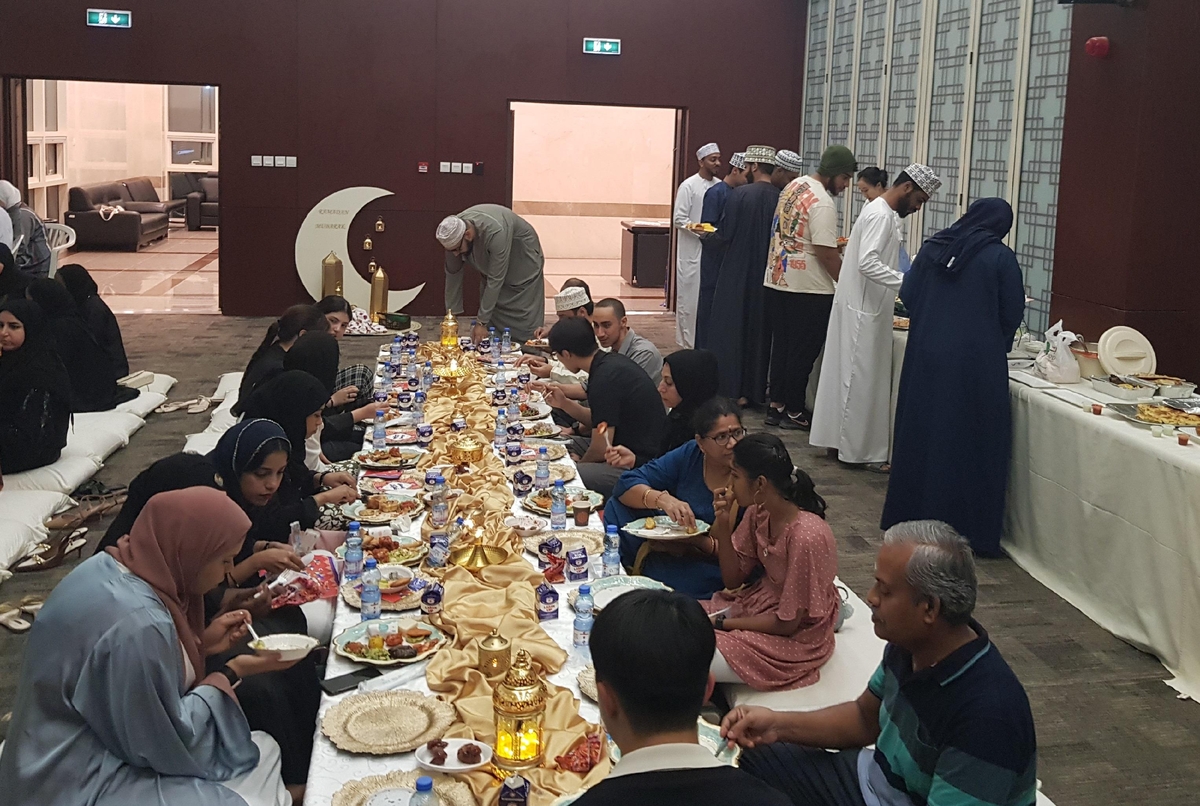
column 13, row 133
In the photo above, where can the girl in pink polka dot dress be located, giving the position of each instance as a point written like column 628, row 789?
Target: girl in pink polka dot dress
column 777, row 631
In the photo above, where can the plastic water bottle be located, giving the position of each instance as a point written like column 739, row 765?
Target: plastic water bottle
column 439, row 513
column 380, row 393
column 425, row 796
column 500, row 437
column 399, row 366
column 427, row 378
column 353, row 567
column 495, row 344
column 583, row 616
column 541, row 475
column 610, row 561
column 514, row 405
column 379, row 431
column 369, row 598
column 387, row 374
column 397, row 348
column 419, row 398
column 558, row 506
column 500, row 376
column 506, row 342
column 612, row 537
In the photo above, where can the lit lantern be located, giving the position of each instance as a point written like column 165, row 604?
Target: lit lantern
column 331, row 275
column 379, row 225
column 449, row 330
column 495, row 654
column 520, row 705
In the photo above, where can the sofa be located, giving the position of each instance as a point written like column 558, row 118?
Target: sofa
column 145, row 198
column 201, row 192
column 138, row 224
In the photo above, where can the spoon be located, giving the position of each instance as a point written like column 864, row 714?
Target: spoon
column 257, row 640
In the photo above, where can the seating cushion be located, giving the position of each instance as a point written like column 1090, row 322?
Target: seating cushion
column 141, row 189
column 146, row 402
column 22, row 513
column 210, row 187
column 161, row 383
column 202, row 443
column 856, row 654
column 61, row 477
column 99, row 434
column 229, row 382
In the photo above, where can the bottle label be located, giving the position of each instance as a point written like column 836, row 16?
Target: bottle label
column 581, row 637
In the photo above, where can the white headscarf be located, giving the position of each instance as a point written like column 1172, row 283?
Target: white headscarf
column 451, row 231
column 9, row 195
column 6, row 230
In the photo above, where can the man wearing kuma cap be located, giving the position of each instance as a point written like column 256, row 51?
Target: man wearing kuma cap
column 852, row 414
column 506, row 252
column 689, row 209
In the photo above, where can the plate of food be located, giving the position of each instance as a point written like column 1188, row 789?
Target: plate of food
column 403, row 641
column 1168, row 385
column 899, row 323
column 453, row 756
column 526, row 525
column 535, row 411
column 1151, row 414
column 391, row 550
column 538, row 344
column 539, row 500
column 606, row 589
column 554, row 450
column 702, row 228
column 389, row 457
column 380, row 509
column 451, row 494
column 661, row 527
column 558, row 471
column 589, row 539
column 507, row 358
column 543, row 429
column 401, row 436
column 385, row 485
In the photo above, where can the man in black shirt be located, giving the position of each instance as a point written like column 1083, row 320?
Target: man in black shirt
column 620, row 396
column 652, row 651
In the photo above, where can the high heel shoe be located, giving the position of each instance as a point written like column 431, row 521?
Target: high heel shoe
column 68, row 543
column 89, row 507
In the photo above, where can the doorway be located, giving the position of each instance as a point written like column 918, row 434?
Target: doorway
column 578, row 172
column 160, row 143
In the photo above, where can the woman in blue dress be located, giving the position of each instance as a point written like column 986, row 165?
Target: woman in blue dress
column 681, row 484
column 113, row 705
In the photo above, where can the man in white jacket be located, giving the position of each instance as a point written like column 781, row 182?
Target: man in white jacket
column 852, row 411
column 689, row 210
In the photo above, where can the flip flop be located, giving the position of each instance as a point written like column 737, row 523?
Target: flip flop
column 201, row 405
column 10, row 618
column 31, row 605
column 167, row 408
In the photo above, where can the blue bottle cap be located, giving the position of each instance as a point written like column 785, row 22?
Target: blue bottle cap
column 584, row 590
column 354, row 527
column 424, row 784
column 542, row 451
column 440, row 480
column 559, row 483
column 371, row 562
column 611, row 529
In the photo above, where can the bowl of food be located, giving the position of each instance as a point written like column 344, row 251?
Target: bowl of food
column 290, row 646
column 525, row 525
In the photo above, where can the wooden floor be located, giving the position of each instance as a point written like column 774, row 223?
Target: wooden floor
column 1109, row 730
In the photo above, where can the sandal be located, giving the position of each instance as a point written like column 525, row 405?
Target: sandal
column 167, row 408
column 70, row 543
column 883, row 468
column 89, row 507
column 200, row 405
column 10, row 617
column 31, row 605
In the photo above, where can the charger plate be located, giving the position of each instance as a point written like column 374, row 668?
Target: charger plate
column 386, row 722
column 450, row 792
column 590, row 539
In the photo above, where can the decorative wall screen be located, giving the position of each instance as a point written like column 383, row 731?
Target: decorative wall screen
column 974, row 88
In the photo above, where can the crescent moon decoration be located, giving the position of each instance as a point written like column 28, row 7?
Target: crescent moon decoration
column 326, row 229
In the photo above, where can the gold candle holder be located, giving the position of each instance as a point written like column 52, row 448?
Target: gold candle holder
column 449, row 330
column 331, row 275
column 495, row 654
column 379, row 293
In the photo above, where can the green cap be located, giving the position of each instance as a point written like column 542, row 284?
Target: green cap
column 836, row 161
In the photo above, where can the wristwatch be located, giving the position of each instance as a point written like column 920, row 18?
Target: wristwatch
column 230, row 675
column 719, row 622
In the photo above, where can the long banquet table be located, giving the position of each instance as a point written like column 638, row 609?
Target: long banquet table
column 331, row 768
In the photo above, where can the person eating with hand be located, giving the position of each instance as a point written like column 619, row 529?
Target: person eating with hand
column 949, row 721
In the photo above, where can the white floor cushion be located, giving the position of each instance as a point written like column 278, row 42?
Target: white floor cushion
column 161, row 384
column 229, row 382
column 22, row 513
column 856, row 654
column 201, row 443
column 222, row 417
column 146, row 402
column 99, row 434
column 61, row 477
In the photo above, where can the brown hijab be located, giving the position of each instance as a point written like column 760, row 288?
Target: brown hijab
column 175, row 536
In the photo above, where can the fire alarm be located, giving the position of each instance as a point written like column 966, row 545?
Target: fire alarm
column 1098, row 47
column 422, row 167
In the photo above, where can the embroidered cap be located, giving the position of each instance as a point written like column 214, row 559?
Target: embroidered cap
column 738, row 160
column 451, row 231
column 570, row 298
column 708, row 151
column 789, row 161
column 924, row 177
column 764, row 155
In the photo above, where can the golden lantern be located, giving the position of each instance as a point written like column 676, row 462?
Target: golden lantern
column 379, row 225
column 495, row 654
column 449, row 330
column 368, row 245
column 379, row 293
column 520, row 705
column 331, row 275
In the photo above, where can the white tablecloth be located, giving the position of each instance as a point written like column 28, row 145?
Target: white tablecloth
column 1107, row 516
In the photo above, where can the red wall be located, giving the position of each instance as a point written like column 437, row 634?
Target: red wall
column 361, row 90
column 1125, row 244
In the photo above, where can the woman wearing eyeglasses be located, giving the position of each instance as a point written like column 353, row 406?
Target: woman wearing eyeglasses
column 683, row 484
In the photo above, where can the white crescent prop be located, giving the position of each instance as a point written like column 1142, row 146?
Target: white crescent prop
column 326, row 229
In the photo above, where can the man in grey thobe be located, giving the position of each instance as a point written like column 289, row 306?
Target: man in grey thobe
column 505, row 250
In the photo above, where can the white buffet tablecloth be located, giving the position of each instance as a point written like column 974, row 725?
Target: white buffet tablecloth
column 1107, row 516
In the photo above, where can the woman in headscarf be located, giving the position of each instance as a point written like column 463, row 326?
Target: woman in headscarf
column 33, row 255
column 13, row 281
column 689, row 380
column 95, row 313
column 360, row 377
column 341, row 435
column 93, row 378
column 35, row 391
column 953, row 435
column 267, row 360
column 115, row 708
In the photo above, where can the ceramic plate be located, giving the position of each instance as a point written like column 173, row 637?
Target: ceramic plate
column 358, row 511
column 535, row 503
column 410, row 550
column 535, row 411
column 664, row 529
column 526, row 525
column 543, row 430
column 407, row 483
column 409, row 600
column 710, row 739
column 606, row 589
column 358, row 633
column 557, row 471
column 453, row 765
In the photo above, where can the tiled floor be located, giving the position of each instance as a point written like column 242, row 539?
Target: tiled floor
column 604, row 279
column 174, row 275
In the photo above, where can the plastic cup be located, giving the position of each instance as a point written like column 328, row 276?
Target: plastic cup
column 582, row 514
column 1097, row 409
column 1183, row 438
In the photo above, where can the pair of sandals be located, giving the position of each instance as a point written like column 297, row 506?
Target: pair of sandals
column 12, row 616
column 196, row 405
column 68, row 531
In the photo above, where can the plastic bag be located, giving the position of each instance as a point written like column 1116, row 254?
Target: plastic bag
column 1058, row 364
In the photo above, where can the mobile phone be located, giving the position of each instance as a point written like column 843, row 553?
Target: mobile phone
column 337, row 685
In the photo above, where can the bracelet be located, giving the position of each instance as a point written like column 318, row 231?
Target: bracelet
column 321, row 478
column 646, row 497
column 716, row 547
column 230, row 675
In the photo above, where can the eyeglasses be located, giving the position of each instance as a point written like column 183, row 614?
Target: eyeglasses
column 725, row 437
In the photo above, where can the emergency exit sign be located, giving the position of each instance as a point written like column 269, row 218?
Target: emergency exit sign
column 107, row 18
column 604, row 47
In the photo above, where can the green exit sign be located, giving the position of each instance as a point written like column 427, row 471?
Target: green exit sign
column 107, row 18
column 604, row 47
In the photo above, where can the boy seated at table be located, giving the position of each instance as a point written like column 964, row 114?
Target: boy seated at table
column 652, row 650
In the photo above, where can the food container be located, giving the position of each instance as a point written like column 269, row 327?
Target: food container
column 1169, row 389
column 1103, row 384
column 290, row 646
column 466, row 448
column 1088, row 357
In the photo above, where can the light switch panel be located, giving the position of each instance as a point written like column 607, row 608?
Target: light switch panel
column 456, row 167
column 268, row 162
column 256, row 161
column 280, row 162
column 291, row 162
column 445, row 167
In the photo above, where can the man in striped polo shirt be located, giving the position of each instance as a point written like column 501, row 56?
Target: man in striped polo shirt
column 949, row 720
